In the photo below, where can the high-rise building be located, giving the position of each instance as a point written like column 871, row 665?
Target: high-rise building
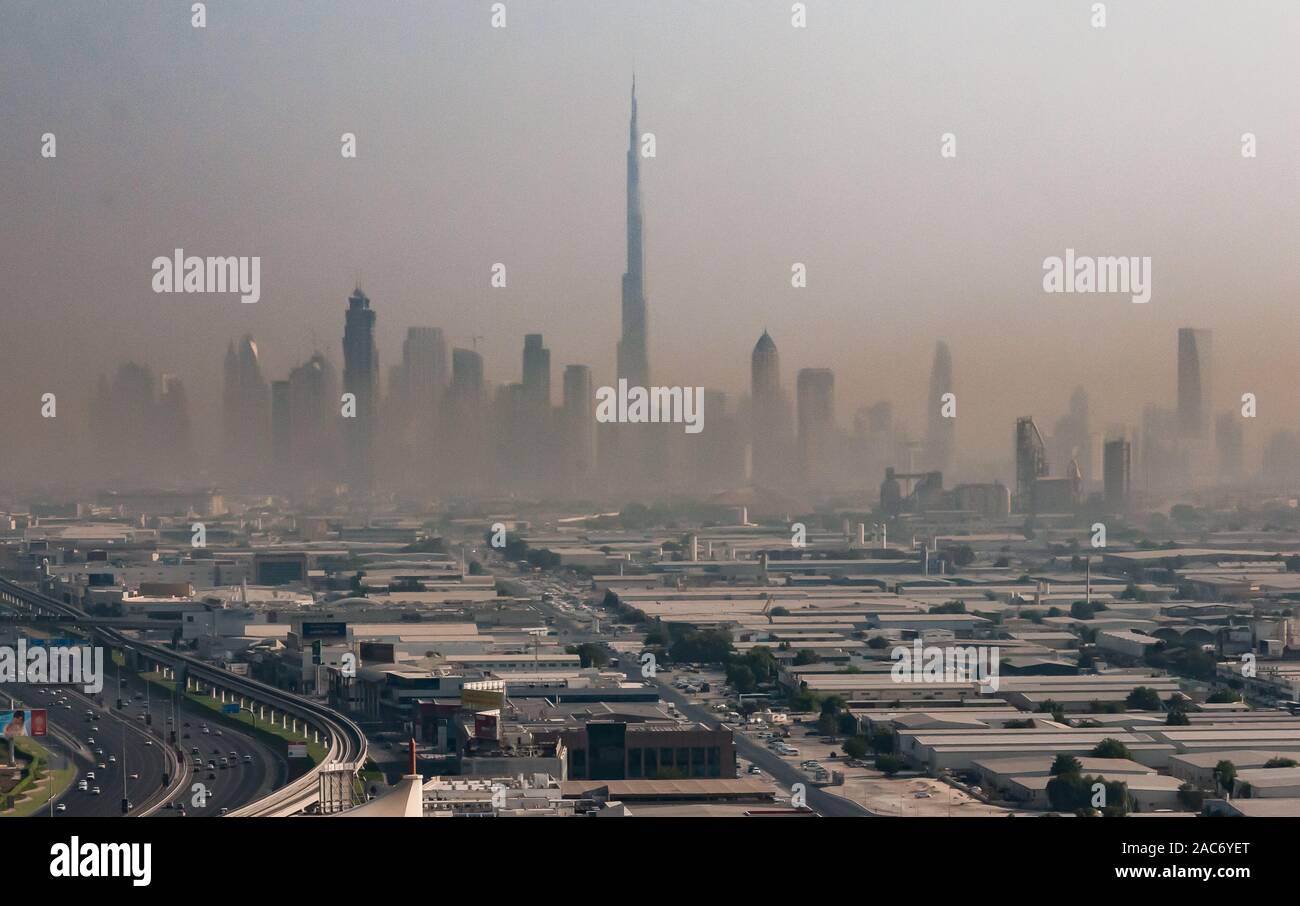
column 1117, row 465
column 245, row 410
column 1031, row 462
column 313, row 411
column 939, row 430
column 1194, row 386
column 769, row 414
column 360, row 378
column 633, row 356
column 464, row 424
column 815, row 403
column 415, row 391
column 424, row 368
column 537, row 373
column 579, row 428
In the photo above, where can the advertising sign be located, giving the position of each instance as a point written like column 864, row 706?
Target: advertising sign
column 323, row 630
column 22, row 723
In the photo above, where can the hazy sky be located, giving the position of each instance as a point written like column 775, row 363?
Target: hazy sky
column 775, row 145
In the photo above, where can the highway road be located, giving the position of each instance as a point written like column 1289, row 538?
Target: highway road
column 121, row 757
column 142, row 748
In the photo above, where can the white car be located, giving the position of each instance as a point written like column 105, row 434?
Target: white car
column 61, row 807
column 148, row 742
column 95, row 791
column 90, row 775
column 83, row 785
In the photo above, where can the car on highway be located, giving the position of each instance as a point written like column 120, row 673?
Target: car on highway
column 248, row 759
column 61, row 807
column 94, row 791
column 90, row 740
column 212, row 765
column 90, row 775
column 148, row 742
column 83, row 785
column 134, row 775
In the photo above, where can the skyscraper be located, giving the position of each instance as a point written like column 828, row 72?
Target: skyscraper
column 815, row 401
column 245, row 410
column 939, row 430
column 463, row 423
column 415, row 390
column 1194, row 387
column 1117, row 463
column 633, row 357
column 537, row 372
column 1031, row 462
column 579, row 428
column 313, row 413
column 361, row 378
column 769, row 413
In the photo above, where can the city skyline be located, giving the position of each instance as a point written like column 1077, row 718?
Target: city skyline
column 725, row 221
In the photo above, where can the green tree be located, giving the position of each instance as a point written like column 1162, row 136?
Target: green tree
column 1066, row 764
column 1111, row 748
column 1225, row 774
column 855, row 746
column 1143, row 698
column 889, row 765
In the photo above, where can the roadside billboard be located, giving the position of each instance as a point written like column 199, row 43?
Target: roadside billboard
column 22, row 723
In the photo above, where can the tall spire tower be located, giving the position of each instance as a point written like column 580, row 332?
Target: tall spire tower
column 633, row 360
